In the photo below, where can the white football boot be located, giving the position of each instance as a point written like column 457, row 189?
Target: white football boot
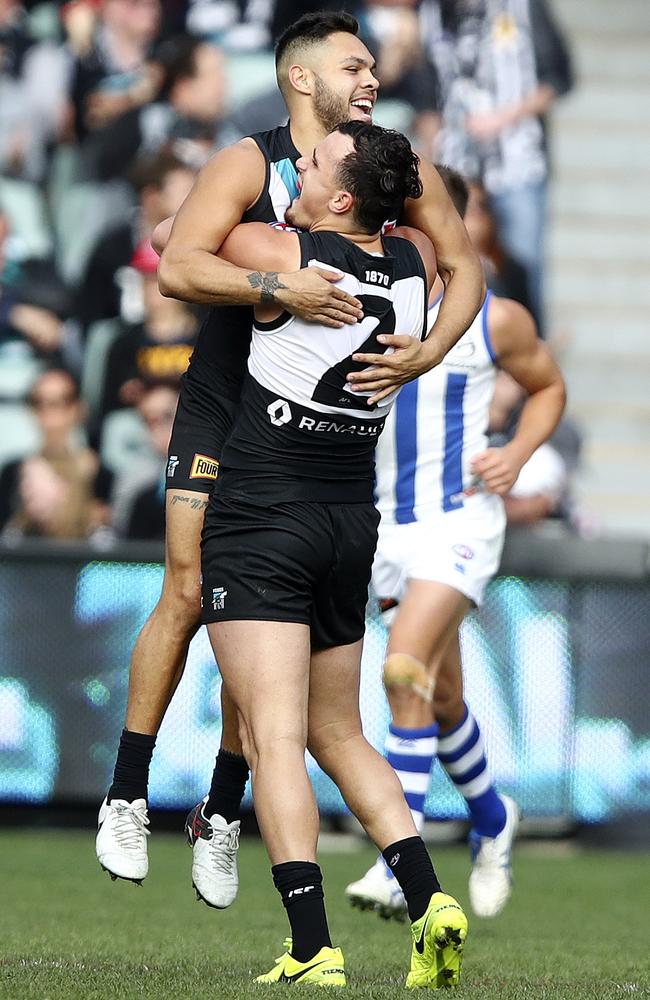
column 214, row 856
column 379, row 891
column 490, row 883
column 121, row 844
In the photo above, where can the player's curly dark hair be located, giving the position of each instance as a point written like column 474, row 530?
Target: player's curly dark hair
column 381, row 173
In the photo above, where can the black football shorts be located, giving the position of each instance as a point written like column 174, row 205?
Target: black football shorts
column 203, row 421
column 299, row 561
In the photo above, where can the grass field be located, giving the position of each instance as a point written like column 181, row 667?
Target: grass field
column 577, row 926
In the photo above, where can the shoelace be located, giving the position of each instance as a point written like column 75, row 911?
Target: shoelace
column 129, row 827
column 223, row 849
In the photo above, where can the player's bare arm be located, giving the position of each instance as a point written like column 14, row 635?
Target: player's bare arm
column 265, row 253
column 459, row 266
column 528, row 360
column 189, row 270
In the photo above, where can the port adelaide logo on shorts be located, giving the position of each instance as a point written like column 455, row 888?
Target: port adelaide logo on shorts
column 219, row 595
column 204, row 467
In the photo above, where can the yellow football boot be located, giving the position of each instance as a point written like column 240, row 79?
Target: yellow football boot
column 438, row 940
column 327, row 968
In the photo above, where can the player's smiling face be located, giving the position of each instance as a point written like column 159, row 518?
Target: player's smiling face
column 345, row 88
column 320, row 187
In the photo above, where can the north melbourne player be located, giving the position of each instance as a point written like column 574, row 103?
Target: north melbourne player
column 439, row 489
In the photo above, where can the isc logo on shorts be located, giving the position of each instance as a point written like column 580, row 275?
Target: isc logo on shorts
column 204, row 467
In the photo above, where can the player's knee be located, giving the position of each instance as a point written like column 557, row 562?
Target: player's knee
column 327, row 746
column 404, row 672
column 271, row 744
column 323, row 755
column 182, row 595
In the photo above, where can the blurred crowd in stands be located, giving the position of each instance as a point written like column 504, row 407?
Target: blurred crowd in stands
column 108, row 108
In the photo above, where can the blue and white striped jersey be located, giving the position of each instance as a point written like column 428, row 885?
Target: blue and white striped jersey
column 437, row 425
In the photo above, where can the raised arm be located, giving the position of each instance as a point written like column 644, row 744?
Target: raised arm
column 189, row 270
column 459, row 267
column 528, row 360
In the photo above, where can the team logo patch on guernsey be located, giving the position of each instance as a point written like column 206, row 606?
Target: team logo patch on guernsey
column 204, row 467
column 463, row 551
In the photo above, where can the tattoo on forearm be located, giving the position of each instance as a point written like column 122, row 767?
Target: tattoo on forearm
column 268, row 283
column 194, row 502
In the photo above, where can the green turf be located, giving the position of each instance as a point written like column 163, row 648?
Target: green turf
column 577, row 926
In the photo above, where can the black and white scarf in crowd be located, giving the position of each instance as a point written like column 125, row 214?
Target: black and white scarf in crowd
column 485, row 60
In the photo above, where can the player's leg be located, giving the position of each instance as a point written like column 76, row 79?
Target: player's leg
column 494, row 817
column 425, row 621
column 265, row 666
column 258, row 566
column 213, row 825
column 373, row 793
column 156, row 667
column 200, row 428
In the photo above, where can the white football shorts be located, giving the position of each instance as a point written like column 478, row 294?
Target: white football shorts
column 461, row 548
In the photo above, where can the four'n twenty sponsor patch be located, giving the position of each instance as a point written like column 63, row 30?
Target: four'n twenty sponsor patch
column 204, row 467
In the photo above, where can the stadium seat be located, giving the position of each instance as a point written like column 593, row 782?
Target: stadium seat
column 98, row 343
column 125, row 442
column 85, row 211
column 18, row 369
column 18, row 432
column 250, row 74
column 25, row 207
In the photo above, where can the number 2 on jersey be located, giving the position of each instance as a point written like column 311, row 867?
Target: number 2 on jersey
column 330, row 389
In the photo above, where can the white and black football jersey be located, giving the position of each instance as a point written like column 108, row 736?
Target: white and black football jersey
column 300, row 430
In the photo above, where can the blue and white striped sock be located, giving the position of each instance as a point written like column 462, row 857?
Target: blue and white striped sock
column 410, row 752
column 461, row 752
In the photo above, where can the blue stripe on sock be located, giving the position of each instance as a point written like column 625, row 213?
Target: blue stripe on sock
column 409, row 762
column 415, row 800
column 461, row 779
column 470, row 742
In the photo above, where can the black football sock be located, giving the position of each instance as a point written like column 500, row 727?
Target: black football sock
column 300, row 883
column 228, row 785
column 131, row 775
column 411, row 865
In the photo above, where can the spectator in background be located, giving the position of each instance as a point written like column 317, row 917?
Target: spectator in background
column 162, row 182
column 31, row 115
column 403, row 67
column 240, row 25
column 62, row 491
column 140, row 502
column 501, row 66
column 14, row 45
column 113, row 73
column 33, row 304
column 186, row 117
column 158, row 348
